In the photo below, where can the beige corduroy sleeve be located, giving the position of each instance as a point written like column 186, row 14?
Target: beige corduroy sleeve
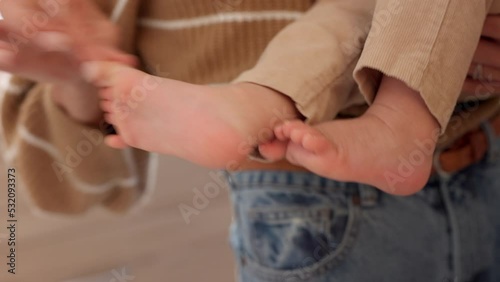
column 64, row 166
column 312, row 59
column 428, row 44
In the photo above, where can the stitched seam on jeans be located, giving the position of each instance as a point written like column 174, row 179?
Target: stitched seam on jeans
column 252, row 186
column 323, row 265
column 278, row 215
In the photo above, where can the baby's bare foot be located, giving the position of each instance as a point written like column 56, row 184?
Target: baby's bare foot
column 211, row 126
column 387, row 148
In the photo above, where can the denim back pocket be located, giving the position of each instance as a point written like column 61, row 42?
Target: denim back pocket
column 288, row 233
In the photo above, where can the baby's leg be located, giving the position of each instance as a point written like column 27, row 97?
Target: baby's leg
column 210, row 126
column 390, row 147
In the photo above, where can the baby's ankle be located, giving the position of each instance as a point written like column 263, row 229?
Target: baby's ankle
column 403, row 109
column 413, row 141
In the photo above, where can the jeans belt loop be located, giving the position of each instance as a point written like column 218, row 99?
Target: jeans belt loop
column 443, row 175
column 369, row 195
column 493, row 150
column 229, row 177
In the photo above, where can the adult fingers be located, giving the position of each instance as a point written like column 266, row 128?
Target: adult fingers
column 53, row 41
column 274, row 150
column 492, row 27
column 109, row 118
column 105, row 53
column 115, row 141
column 99, row 52
column 7, row 60
column 480, row 89
column 106, row 106
column 106, row 94
column 5, row 30
column 7, row 57
column 484, row 73
column 487, row 53
column 100, row 74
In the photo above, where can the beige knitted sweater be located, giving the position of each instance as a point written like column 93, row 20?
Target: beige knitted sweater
column 66, row 168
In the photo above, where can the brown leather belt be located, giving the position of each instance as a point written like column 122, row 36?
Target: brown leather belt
column 469, row 149
column 280, row 166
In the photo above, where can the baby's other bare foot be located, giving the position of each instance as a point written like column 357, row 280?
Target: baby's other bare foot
column 293, row 133
column 389, row 148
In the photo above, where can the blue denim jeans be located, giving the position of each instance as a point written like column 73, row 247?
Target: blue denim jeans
column 292, row 226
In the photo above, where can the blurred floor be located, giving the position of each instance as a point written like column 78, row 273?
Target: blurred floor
column 155, row 245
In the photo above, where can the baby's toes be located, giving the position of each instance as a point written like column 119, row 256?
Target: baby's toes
column 115, row 141
column 101, row 74
column 106, row 106
column 279, row 133
column 298, row 155
column 273, row 151
column 306, row 136
column 129, row 135
column 284, row 131
column 106, row 93
column 120, row 110
column 318, row 163
column 294, row 126
column 109, row 118
column 316, row 142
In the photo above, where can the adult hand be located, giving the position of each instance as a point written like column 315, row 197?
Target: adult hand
column 484, row 74
column 47, row 40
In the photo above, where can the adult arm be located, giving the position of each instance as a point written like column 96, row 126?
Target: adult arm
column 484, row 72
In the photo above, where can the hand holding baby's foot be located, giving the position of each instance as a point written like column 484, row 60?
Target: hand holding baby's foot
column 381, row 148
